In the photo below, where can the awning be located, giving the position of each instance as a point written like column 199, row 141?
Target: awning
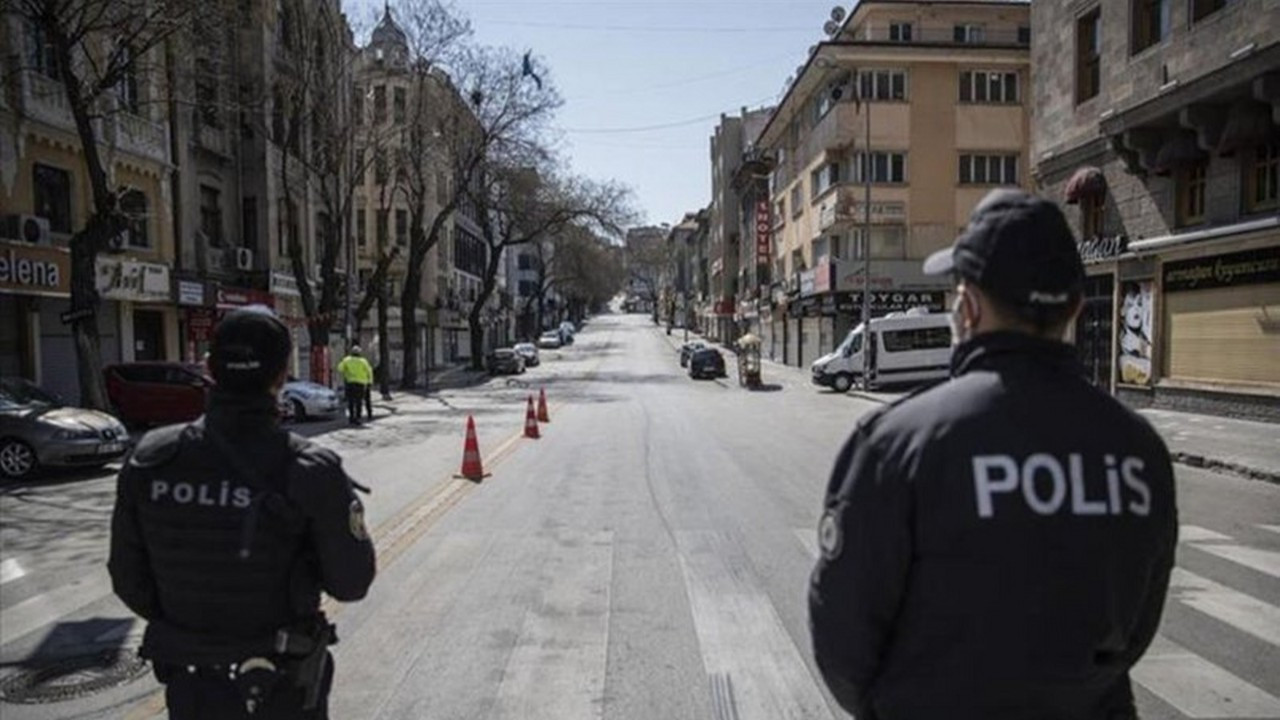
column 1088, row 181
column 1249, row 124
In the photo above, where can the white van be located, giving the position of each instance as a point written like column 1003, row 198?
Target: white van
column 906, row 347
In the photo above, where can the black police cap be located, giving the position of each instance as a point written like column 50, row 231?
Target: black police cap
column 1019, row 248
column 251, row 347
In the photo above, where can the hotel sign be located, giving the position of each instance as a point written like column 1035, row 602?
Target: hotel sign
column 764, row 232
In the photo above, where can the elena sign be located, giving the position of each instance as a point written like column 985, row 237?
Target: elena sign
column 34, row 270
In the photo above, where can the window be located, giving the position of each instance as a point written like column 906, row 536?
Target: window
column 211, row 215
column 918, row 339
column 357, row 107
column 797, row 199
column 827, row 177
column 362, row 234
column 1092, row 216
column 524, row 262
column 127, row 87
column 1024, row 35
column 988, row 169
column 207, row 97
column 528, row 288
column 882, row 84
column 969, row 33
column 1089, row 55
column 1201, row 9
column 1190, row 189
column 888, row 242
column 43, row 55
column 400, row 103
column 900, row 32
column 53, row 196
column 380, row 173
column 885, row 167
column 249, row 222
column 380, row 229
column 380, row 105
column 289, row 233
column 1151, row 22
column 780, row 212
column 402, row 227
column 133, row 204
column 981, row 86
column 1263, row 178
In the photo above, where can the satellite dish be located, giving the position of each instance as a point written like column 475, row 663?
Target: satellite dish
column 837, row 14
column 831, row 27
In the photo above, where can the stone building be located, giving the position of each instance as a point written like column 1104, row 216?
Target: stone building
column 1157, row 122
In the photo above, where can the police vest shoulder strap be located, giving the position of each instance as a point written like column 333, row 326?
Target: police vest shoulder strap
column 258, row 480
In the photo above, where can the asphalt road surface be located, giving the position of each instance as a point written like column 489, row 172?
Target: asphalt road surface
column 647, row 558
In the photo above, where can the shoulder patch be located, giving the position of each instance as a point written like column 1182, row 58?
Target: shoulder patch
column 830, row 539
column 355, row 521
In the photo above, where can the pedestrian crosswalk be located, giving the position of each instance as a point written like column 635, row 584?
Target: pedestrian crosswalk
column 1184, row 680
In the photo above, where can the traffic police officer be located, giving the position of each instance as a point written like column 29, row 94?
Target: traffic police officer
column 225, row 532
column 357, row 375
column 997, row 546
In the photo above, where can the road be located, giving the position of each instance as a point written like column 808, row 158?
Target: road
column 647, row 558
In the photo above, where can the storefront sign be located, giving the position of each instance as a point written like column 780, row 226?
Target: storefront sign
column 34, row 270
column 229, row 298
column 284, row 284
column 881, row 212
column 808, row 282
column 200, row 324
column 1136, row 334
column 132, row 280
column 1250, row 267
column 1101, row 248
column 850, row 303
column 887, row 275
column 764, row 232
column 190, row 292
column 822, row 276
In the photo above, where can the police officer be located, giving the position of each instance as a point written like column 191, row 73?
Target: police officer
column 997, row 546
column 225, row 532
column 357, row 376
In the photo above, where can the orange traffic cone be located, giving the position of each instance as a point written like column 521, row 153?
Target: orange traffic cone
column 472, row 469
column 531, row 422
column 542, row 406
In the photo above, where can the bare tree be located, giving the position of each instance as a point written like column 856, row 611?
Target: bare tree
column 97, row 50
column 648, row 258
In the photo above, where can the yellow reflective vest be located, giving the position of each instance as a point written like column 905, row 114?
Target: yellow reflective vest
column 355, row 370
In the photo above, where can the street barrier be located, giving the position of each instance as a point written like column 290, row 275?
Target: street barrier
column 543, row 415
column 531, row 422
column 472, row 468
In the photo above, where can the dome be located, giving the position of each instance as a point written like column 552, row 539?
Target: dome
column 388, row 36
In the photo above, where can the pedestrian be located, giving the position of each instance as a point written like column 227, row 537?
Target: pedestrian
column 999, row 545
column 357, row 376
column 225, row 532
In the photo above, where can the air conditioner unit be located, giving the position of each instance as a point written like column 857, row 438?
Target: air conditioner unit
column 26, row 228
column 244, row 259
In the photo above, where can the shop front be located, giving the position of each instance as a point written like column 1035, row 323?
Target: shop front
column 35, row 293
column 140, row 294
column 288, row 305
column 195, row 317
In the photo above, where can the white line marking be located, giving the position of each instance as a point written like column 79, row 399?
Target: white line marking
column 808, row 537
column 556, row 670
column 1197, row 688
column 741, row 636
column 1270, row 528
column 1236, row 609
column 1195, row 533
column 1264, row 561
column 47, row 608
column 10, row 570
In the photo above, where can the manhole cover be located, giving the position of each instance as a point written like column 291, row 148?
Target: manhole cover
column 73, row 677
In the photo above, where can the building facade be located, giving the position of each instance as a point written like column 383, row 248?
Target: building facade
column 886, row 138
column 1158, row 123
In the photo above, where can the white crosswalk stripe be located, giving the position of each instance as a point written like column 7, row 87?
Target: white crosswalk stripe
column 1236, row 609
column 49, row 607
column 1270, row 528
column 1197, row 688
column 10, row 570
column 1225, row 546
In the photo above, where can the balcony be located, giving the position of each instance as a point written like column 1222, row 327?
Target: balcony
column 836, row 131
column 45, row 99
column 141, row 137
column 845, row 208
column 950, row 35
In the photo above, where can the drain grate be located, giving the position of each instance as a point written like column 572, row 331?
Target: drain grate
column 73, row 677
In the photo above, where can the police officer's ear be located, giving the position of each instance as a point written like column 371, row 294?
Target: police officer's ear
column 278, row 384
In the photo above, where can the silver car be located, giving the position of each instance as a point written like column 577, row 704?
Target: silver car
column 37, row 430
column 305, row 399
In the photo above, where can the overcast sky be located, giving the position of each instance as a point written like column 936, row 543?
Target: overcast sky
column 627, row 64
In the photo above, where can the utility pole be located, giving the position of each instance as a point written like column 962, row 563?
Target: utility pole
column 866, row 239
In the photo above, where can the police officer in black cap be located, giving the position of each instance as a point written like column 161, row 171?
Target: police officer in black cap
column 225, row 532
column 997, row 546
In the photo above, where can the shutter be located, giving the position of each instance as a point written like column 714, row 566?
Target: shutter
column 1220, row 335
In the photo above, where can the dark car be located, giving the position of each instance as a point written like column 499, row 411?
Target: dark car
column 157, row 393
column 689, row 349
column 37, row 430
column 506, row 361
column 706, row 362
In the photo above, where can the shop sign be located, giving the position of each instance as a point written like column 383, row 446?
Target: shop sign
column 1136, row 323
column 881, row 212
column 887, row 275
column 190, row 292
column 229, row 298
column 808, row 280
column 822, row 276
column 764, row 232
column 850, row 303
column 34, row 269
column 200, row 324
column 1250, row 267
column 132, row 280
column 1101, row 248
column 284, row 284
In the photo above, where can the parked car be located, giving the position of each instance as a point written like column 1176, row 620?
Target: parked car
column 529, row 352
column 550, row 340
column 505, row 361
column 304, row 399
column 158, row 393
column 688, row 349
column 706, row 362
column 567, row 331
column 38, row 430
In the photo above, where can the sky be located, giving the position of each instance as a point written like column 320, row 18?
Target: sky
column 621, row 65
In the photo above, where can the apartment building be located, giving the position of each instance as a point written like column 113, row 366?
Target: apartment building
column 925, row 103
column 1159, row 123
column 45, row 197
column 730, row 143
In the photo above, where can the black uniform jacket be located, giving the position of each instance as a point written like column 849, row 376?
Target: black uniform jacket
column 998, row 546
column 230, row 527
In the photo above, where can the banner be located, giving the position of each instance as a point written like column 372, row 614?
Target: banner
column 1136, row 334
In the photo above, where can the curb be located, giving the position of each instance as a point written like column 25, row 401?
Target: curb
column 1203, row 462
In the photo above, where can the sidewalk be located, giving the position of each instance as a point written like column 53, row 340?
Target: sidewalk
column 1240, row 447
